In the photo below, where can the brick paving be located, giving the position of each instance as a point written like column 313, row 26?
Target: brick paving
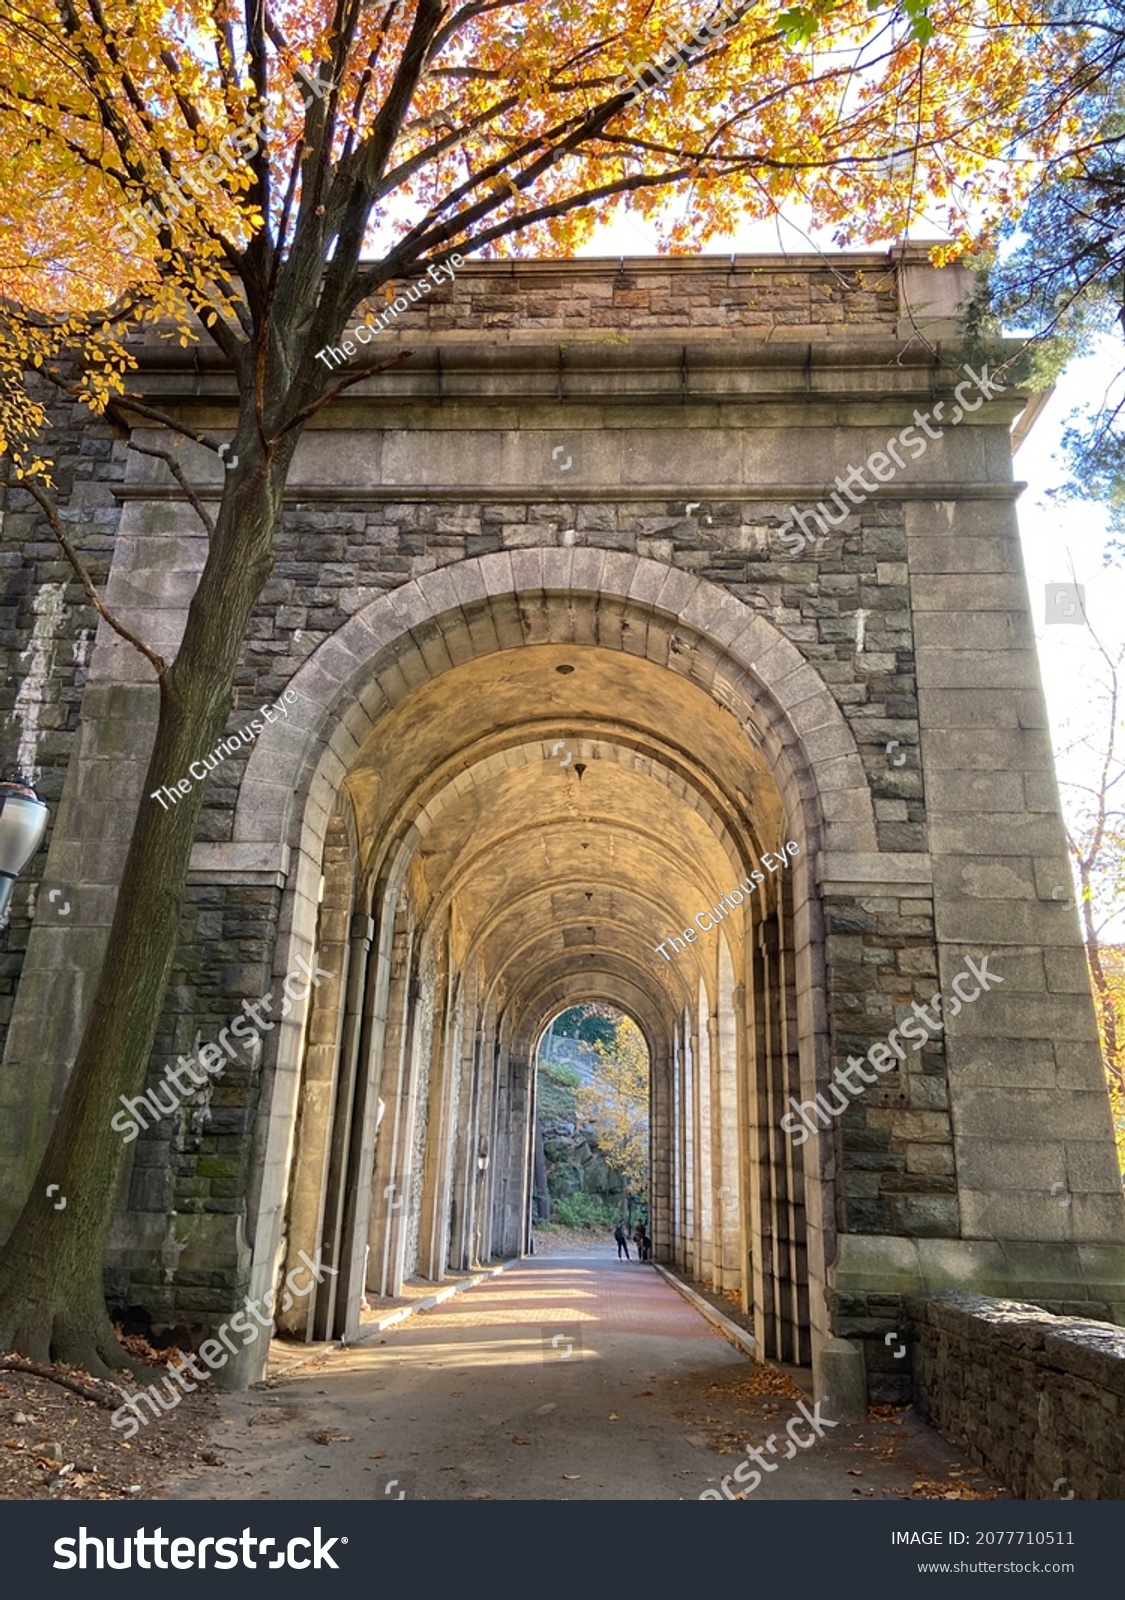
column 594, row 1292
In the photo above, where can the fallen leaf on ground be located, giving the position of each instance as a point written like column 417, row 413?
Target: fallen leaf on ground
column 763, row 1380
column 893, row 1414
column 935, row 1489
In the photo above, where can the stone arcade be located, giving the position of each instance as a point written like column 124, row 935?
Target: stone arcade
column 557, row 521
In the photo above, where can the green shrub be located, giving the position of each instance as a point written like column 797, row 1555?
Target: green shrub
column 556, row 1095
column 559, row 1072
column 584, row 1211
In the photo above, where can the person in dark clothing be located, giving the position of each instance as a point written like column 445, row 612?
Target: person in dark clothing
column 639, row 1240
column 622, row 1240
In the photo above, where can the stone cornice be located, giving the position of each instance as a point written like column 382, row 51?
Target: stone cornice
column 697, row 381
column 493, row 493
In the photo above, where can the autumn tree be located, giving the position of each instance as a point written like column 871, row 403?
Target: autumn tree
column 1058, row 272
column 1113, row 974
column 590, row 1023
column 266, row 212
column 1095, row 819
column 616, row 1102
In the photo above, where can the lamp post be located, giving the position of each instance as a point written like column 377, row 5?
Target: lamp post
column 23, row 822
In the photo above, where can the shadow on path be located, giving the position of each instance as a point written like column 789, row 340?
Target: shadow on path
column 568, row 1377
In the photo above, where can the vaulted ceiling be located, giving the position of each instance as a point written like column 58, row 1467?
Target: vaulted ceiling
column 573, row 805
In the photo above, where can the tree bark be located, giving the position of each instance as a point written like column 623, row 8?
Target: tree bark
column 52, row 1300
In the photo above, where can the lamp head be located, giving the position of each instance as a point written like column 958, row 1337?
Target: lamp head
column 23, row 822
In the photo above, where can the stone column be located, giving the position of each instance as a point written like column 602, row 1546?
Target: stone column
column 728, row 1194
column 333, row 1309
column 758, row 1143
column 523, row 1124
column 317, row 1104
column 489, row 1121
column 396, row 1133
column 745, row 1105
column 356, row 1224
column 443, row 1048
column 1037, row 1182
column 688, row 1060
column 509, row 1192
column 157, row 556
column 793, row 1264
column 501, row 1153
column 662, row 1157
column 462, row 1151
column 705, row 1191
column 683, row 1146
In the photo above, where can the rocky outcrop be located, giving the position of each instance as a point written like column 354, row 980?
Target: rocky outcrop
column 567, row 1158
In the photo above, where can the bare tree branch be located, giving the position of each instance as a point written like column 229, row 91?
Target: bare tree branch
column 129, row 402
column 345, row 383
column 158, row 664
column 36, row 1369
column 177, row 472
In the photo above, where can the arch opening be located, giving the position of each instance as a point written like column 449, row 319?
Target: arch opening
column 592, row 1126
column 507, row 840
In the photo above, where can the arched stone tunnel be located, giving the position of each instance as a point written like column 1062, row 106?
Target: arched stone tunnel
column 534, row 794
column 559, row 730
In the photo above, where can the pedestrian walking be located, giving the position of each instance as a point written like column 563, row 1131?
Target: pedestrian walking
column 622, row 1240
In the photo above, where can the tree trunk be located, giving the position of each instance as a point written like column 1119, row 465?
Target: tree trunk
column 52, row 1301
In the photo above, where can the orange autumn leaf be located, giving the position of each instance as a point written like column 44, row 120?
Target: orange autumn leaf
column 468, row 127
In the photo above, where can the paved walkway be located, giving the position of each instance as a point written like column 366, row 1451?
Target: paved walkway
column 565, row 1378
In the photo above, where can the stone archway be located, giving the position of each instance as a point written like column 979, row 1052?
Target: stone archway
column 695, row 431
column 468, row 1053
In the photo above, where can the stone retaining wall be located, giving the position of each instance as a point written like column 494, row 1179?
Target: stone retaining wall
column 1038, row 1399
